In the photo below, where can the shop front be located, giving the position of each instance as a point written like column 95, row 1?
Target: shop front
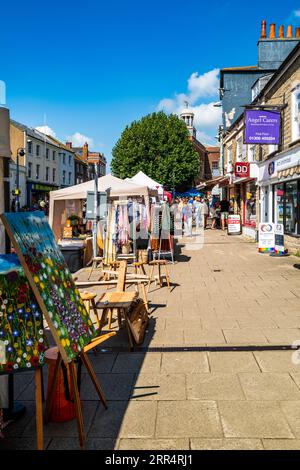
column 243, row 194
column 37, row 192
column 280, row 189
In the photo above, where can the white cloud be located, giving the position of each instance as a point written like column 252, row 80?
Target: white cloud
column 296, row 13
column 199, row 89
column 205, row 85
column 78, row 140
column 46, row 130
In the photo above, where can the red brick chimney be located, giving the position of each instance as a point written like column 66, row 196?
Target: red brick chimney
column 263, row 30
column 272, row 34
column 85, row 151
column 297, row 33
column 281, row 32
column 69, row 145
column 289, row 31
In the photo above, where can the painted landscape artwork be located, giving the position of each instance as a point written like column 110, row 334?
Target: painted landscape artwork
column 22, row 342
column 51, row 281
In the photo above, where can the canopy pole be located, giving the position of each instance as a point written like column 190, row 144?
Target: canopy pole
column 95, row 220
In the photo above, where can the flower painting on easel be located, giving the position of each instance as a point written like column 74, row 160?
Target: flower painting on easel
column 21, row 321
column 51, row 281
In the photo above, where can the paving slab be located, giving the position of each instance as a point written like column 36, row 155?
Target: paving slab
column 137, row 362
column 291, row 410
column 91, row 444
column 21, row 443
column 159, row 387
column 214, row 386
column 188, row 419
column 186, row 362
column 133, row 419
column 154, row 444
column 249, row 336
column 114, row 386
column 281, row 444
column 254, row 419
column 276, row 361
column 269, row 386
column 203, row 337
column 232, row 362
column 226, row 444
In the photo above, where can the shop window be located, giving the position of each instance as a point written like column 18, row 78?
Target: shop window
column 286, row 206
column 250, row 204
column 291, row 207
column 279, row 203
column 240, row 150
column 296, row 113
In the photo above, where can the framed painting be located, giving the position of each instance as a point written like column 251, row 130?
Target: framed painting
column 22, row 342
column 51, row 281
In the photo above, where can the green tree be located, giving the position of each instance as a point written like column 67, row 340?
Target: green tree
column 159, row 146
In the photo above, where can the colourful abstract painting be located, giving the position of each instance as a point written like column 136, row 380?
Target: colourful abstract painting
column 51, row 281
column 22, row 342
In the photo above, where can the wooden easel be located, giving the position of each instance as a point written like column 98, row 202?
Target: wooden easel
column 71, row 366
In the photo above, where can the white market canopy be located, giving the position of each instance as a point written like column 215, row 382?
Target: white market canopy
column 115, row 188
column 145, row 180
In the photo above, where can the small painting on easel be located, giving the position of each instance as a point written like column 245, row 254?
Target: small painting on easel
column 51, row 281
column 21, row 321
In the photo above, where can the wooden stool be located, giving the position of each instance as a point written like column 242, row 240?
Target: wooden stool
column 139, row 267
column 159, row 263
column 89, row 300
column 119, row 302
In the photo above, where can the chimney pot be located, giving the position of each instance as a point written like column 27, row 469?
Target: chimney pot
column 289, row 31
column 69, row 145
column 297, row 32
column 281, row 32
column 263, row 30
column 272, row 34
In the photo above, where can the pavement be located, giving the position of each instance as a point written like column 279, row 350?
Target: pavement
column 214, row 372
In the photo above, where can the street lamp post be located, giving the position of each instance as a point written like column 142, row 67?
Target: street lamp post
column 20, row 153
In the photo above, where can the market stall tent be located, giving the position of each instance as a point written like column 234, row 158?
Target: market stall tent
column 73, row 195
column 144, row 180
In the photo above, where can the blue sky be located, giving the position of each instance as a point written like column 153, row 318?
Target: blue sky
column 88, row 69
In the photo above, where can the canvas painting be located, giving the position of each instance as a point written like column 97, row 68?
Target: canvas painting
column 51, row 281
column 22, row 342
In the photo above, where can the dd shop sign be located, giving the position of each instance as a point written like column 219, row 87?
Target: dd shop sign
column 242, row 169
column 266, row 238
column 234, row 224
column 262, row 127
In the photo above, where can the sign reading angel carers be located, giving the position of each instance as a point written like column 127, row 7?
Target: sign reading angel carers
column 262, row 127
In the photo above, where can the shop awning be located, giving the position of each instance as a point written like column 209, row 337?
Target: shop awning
column 220, row 180
column 294, row 170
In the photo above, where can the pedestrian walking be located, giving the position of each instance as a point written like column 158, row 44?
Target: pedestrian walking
column 198, row 212
column 215, row 215
column 224, row 207
column 187, row 212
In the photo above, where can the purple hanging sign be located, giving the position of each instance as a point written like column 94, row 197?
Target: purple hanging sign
column 262, row 127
